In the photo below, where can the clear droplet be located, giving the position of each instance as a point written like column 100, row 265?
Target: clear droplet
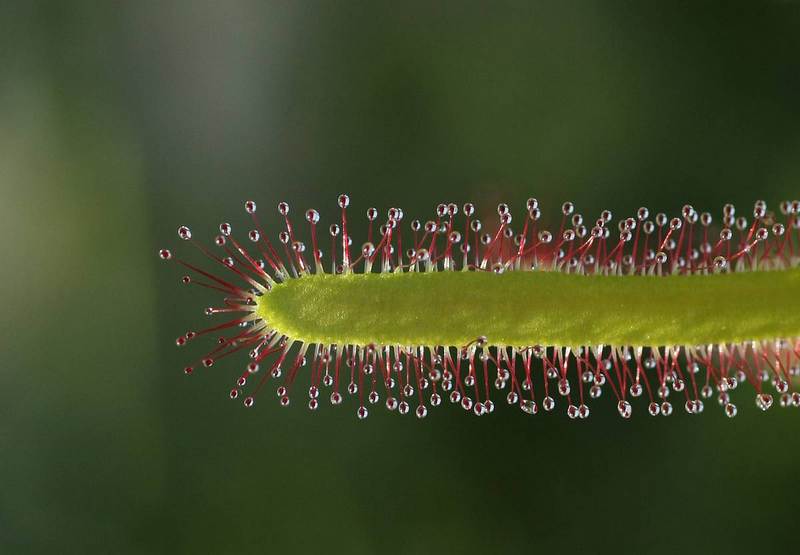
column 572, row 411
column 764, row 401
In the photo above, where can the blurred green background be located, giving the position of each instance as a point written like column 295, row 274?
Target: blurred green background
column 120, row 121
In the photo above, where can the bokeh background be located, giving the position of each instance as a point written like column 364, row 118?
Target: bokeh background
column 120, row 121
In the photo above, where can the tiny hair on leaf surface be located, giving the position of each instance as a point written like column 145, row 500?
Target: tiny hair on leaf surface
column 669, row 310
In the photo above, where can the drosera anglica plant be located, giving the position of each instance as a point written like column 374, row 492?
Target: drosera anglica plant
column 671, row 310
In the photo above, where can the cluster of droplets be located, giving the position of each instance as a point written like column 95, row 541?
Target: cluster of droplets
column 442, row 381
column 643, row 245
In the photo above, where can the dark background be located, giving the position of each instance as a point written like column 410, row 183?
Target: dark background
column 120, row 121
